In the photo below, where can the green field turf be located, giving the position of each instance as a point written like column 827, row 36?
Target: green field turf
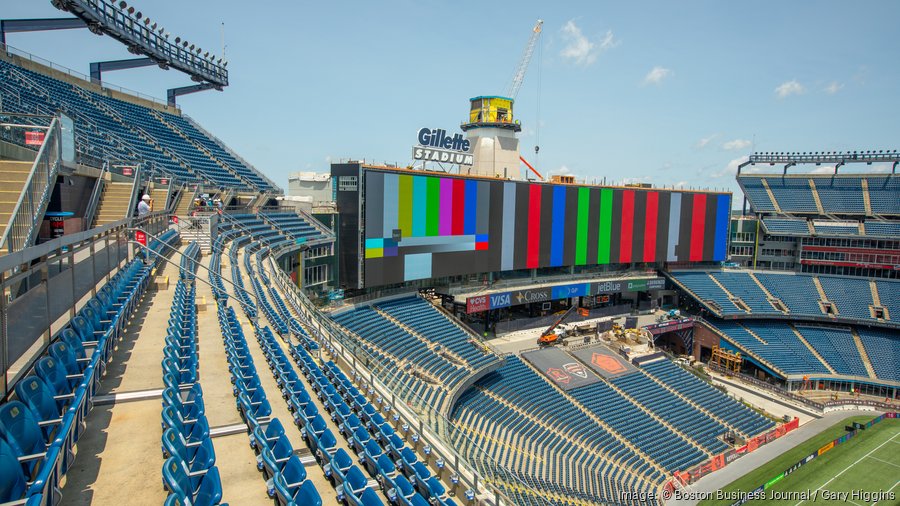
column 869, row 462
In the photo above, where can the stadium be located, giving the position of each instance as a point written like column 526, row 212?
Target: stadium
column 178, row 329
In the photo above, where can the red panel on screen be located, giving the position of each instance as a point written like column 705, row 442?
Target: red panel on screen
column 534, row 226
column 698, row 221
column 459, row 207
column 650, row 226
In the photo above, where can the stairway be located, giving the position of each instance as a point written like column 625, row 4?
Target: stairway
column 876, row 300
column 824, row 298
column 113, row 203
column 185, row 203
column 812, row 350
column 815, row 194
column 771, row 195
column 862, row 353
column 752, row 333
column 12, row 181
column 432, row 346
column 769, row 297
column 160, row 198
column 736, row 301
column 866, row 200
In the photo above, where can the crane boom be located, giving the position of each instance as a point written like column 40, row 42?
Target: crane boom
column 519, row 76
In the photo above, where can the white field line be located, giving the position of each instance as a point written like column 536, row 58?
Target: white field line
column 848, row 467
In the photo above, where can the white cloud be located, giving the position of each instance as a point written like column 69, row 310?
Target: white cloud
column 702, row 143
column 824, row 169
column 789, row 88
column 680, row 184
column 736, row 145
column 562, row 170
column 730, row 169
column 833, row 87
column 581, row 50
column 657, row 75
column 609, row 41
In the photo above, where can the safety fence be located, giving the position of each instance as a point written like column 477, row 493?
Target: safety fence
column 723, row 459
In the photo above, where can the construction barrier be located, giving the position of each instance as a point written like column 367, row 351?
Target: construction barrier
column 719, row 461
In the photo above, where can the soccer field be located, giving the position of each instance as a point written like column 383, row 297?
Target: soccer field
column 863, row 471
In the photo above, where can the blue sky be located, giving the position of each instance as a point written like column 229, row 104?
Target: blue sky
column 671, row 93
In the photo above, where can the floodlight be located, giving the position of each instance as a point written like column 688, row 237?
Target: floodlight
column 178, row 40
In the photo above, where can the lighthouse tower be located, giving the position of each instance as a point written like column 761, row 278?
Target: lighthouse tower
column 492, row 130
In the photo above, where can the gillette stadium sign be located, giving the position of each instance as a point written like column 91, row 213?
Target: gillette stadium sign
column 436, row 145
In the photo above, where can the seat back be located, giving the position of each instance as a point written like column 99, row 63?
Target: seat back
column 342, row 460
column 175, row 477
column 37, row 395
column 12, row 480
column 19, row 426
column 83, row 328
column 61, row 352
column 54, row 375
column 293, row 470
column 308, row 495
column 370, row 498
column 71, row 338
column 356, row 480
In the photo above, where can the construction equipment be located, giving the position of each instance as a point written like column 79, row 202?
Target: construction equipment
column 519, row 75
column 553, row 333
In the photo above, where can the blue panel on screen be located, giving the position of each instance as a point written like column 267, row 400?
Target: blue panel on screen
column 417, row 266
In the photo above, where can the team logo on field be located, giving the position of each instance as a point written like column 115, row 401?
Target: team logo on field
column 607, row 363
column 558, row 375
column 576, row 369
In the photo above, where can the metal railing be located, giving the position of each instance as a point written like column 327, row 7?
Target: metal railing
column 94, row 202
column 45, row 285
column 23, row 225
column 446, row 440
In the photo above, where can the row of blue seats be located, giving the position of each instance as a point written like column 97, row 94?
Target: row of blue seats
column 284, row 472
column 496, row 417
column 190, row 257
column 110, row 128
column 40, row 427
column 421, row 316
column 189, row 473
column 699, row 426
column 381, row 450
column 851, row 297
column 703, row 394
column 378, row 447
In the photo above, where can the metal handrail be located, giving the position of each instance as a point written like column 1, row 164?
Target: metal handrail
column 135, row 190
column 23, row 223
column 94, row 202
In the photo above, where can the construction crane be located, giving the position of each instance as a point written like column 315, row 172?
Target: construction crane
column 519, row 76
column 553, row 333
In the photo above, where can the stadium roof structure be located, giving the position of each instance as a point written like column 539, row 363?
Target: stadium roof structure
column 143, row 37
column 839, row 158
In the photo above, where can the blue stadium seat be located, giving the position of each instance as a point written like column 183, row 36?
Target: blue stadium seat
column 202, row 490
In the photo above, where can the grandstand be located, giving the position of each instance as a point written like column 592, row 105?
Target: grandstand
column 400, row 353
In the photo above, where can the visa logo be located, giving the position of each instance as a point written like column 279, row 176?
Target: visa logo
column 500, row 300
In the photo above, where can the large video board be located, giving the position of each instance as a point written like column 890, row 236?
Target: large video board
column 421, row 225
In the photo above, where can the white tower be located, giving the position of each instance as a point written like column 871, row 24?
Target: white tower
column 492, row 132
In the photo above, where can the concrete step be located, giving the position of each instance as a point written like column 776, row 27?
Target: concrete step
column 13, row 178
column 14, row 167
